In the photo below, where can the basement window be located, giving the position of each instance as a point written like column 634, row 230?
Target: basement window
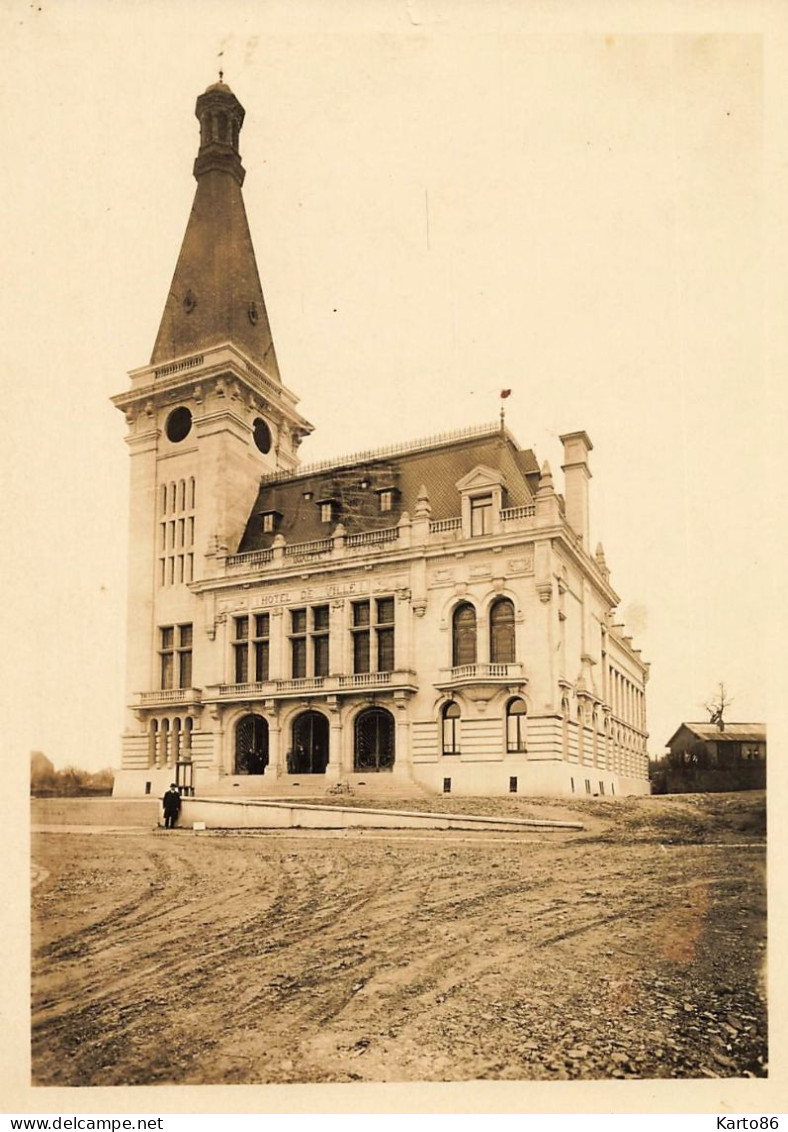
column 512, row 785
column 447, row 786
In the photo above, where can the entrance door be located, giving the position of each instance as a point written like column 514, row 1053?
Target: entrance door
column 309, row 752
column 251, row 745
column 184, row 777
column 374, row 740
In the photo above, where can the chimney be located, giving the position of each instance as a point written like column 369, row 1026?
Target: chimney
column 576, row 476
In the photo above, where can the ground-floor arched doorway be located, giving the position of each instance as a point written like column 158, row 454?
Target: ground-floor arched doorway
column 308, row 753
column 251, row 745
column 373, row 740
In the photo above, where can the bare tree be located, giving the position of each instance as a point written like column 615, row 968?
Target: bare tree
column 717, row 704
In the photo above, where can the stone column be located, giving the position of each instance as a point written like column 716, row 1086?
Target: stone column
column 166, row 743
column 402, row 631
column 217, row 734
column 334, row 767
column 276, row 766
column 276, row 645
column 403, row 769
column 339, row 638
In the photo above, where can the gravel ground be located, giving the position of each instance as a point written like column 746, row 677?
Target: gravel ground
column 635, row 949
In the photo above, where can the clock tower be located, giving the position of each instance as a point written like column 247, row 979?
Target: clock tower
column 206, row 418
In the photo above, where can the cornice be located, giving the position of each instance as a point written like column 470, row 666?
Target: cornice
column 161, row 383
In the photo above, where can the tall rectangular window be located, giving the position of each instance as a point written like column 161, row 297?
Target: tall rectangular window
column 261, row 646
column 250, row 648
column 361, row 631
column 241, row 649
column 481, row 515
column 167, row 654
column 373, row 638
column 320, row 640
column 298, row 643
column 184, row 656
column 175, row 656
column 385, row 633
column 176, row 534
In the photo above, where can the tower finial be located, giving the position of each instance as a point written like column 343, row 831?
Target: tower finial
column 504, row 394
column 221, row 75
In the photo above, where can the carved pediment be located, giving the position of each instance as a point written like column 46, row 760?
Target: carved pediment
column 480, row 478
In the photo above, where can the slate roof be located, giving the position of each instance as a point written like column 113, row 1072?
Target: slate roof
column 215, row 295
column 436, row 464
column 733, row 733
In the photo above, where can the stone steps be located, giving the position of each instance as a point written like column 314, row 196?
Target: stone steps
column 306, row 786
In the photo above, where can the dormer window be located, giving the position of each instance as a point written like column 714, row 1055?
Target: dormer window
column 270, row 521
column 328, row 510
column 481, row 494
column 387, row 497
column 481, row 515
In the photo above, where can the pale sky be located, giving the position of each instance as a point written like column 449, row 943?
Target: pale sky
column 445, row 199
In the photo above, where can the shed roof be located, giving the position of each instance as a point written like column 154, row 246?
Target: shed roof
column 733, row 732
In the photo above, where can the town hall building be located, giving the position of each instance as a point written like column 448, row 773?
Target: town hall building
column 426, row 615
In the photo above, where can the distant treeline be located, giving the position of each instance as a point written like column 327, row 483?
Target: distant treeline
column 70, row 783
column 676, row 775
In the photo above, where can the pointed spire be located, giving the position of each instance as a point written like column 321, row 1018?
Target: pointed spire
column 545, row 479
column 423, row 508
column 215, row 295
column 601, row 561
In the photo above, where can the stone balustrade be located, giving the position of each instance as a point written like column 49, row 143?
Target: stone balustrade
column 169, row 696
column 312, row 685
column 340, row 544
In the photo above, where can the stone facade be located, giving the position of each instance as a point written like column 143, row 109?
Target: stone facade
column 426, row 615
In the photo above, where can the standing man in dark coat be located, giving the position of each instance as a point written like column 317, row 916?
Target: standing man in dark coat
column 172, row 806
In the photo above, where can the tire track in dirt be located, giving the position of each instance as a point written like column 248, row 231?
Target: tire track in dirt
column 306, row 959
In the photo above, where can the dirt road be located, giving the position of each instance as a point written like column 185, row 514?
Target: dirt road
column 175, row 957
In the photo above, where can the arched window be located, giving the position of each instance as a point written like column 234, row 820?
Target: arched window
column 502, row 632
column 251, row 745
column 153, row 735
column 451, row 728
column 515, row 725
column 595, row 737
column 309, row 752
column 164, row 743
column 464, row 635
column 374, row 740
